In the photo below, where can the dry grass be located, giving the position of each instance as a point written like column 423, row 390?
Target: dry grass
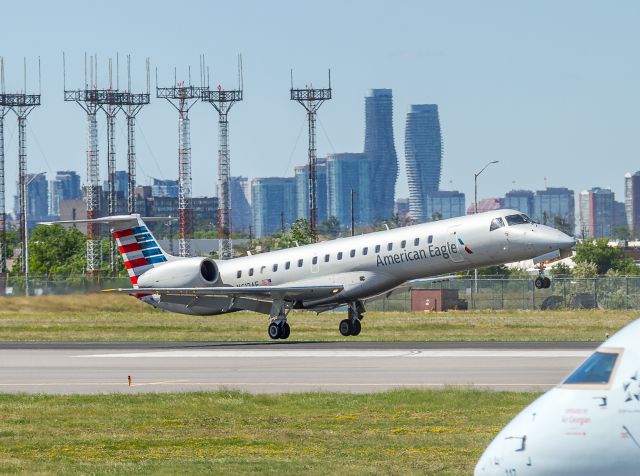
column 100, row 317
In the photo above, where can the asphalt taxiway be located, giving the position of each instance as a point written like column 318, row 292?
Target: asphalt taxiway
column 258, row 367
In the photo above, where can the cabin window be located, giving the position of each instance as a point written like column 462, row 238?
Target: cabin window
column 339, row 255
column 430, row 239
column 377, row 248
column 403, row 244
column 416, row 242
column 365, row 250
column 390, row 246
column 314, row 260
column 326, row 258
column 353, row 253
column 287, row 265
column 496, row 223
column 275, row 268
column 239, row 274
column 250, row 271
column 300, row 262
column 262, row 269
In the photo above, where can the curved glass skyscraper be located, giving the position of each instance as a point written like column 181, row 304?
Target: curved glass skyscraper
column 423, row 156
column 381, row 151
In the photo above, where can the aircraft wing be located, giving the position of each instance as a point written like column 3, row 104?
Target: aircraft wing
column 286, row 293
column 408, row 285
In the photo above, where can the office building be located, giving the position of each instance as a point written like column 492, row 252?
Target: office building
column 596, row 213
column 401, row 208
column 346, row 172
column 521, row 200
column 37, row 199
column 302, row 190
column 555, row 206
column 241, row 218
column 65, row 186
column 164, row 188
column 444, row 204
column 632, row 200
column 273, row 202
column 381, row 151
column 485, row 205
column 423, row 156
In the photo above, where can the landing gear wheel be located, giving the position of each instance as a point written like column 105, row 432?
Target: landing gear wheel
column 357, row 327
column 539, row 283
column 285, row 330
column 346, row 328
column 274, row 330
column 546, row 282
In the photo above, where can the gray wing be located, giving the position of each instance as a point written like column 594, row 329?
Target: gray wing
column 286, row 293
column 407, row 286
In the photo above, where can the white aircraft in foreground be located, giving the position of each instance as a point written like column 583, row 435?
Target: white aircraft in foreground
column 325, row 275
column 587, row 426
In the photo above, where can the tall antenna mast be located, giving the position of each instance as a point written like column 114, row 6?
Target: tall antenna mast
column 223, row 100
column 311, row 99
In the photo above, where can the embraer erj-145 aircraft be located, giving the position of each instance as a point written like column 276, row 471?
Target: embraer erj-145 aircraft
column 587, row 426
column 325, row 275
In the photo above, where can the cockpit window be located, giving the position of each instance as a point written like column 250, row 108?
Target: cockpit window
column 520, row 219
column 597, row 370
column 496, row 223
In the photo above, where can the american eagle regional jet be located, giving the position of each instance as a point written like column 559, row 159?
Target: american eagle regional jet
column 325, row 275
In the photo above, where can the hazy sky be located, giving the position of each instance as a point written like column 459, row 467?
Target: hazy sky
column 550, row 89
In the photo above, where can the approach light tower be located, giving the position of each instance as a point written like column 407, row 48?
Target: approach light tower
column 182, row 97
column 89, row 99
column 222, row 100
column 311, row 99
column 4, row 110
column 22, row 104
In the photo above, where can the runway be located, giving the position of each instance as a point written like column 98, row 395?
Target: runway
column 64, row 368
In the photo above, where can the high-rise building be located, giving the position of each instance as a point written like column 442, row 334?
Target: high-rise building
column 164, row 188
column 521, row 200
column 380, row 149
column 444, row 204
column 241, row 218
column 273, row 202
column 346, row 172
column 632, row 200
column 555, row 206
column 596, row 212
column 423, row 156
column 619, row 215
column 66, row 186
column 302, row 190
column 37, row 199
column 401, row 208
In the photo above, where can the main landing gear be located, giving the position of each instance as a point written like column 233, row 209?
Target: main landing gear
column 542, row 282
column 278, row 327
column 352, row 326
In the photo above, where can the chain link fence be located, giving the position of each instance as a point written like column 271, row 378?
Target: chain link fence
column 492, row 294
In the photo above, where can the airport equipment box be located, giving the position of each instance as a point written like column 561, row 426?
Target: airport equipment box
column 436, row 300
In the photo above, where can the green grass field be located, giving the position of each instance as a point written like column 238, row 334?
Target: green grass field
column 400, row 432
column 101, row 317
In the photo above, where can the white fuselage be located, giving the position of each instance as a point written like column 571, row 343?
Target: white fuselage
column 369, row 264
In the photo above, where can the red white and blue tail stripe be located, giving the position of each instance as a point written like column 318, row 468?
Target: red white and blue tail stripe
column 140, row 251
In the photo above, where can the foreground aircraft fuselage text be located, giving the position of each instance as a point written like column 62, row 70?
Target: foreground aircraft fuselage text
column 325, row 275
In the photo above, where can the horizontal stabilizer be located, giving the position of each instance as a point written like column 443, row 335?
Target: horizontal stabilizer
column 286, row 293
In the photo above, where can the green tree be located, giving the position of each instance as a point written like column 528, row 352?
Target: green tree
column 299, row 234
column 560, row 269
column 621, row 233
column 498, row 270
column 56, row 250
column 330, row 227
column 563, row 225
column 436, row 216
column 603, row 256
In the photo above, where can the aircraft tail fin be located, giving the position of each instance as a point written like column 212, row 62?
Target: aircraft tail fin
column 138, row 247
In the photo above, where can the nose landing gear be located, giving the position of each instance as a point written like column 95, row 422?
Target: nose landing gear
column 352, row 325
column 542, row 282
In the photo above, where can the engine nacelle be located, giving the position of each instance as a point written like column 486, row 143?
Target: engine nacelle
column 188, row 273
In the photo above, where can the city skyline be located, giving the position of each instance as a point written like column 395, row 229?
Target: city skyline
column 556, row 90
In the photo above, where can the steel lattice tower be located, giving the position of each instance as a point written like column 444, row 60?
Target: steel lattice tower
column 222, row 100
column 182, row 97
column 89, row 99
column 311, row 99
column 3, row 217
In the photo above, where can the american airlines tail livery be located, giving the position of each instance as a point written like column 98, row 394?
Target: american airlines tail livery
column 322, row 276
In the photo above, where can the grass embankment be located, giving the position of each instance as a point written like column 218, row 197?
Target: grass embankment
column 402, row 432
column 123, row 318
